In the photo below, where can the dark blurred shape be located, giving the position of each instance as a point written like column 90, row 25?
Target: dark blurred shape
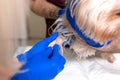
column 59, row 3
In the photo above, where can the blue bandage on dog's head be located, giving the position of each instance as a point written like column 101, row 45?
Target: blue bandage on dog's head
column 71, row 19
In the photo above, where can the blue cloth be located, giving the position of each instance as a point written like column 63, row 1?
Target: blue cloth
column 42, row 62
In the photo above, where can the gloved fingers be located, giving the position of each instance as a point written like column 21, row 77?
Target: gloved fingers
column 22, row 58
column 45, row 42
column 57, row 59
column 41, row 46
column 50, row 39
column 57, row 56
column 62, row 61
column 44, row 53
column 56, row 49
column 47, row 52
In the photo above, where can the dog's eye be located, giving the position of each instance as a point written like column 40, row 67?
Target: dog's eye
column 118, row 14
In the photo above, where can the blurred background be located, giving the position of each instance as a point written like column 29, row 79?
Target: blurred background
column 19, row 26
column 17, row 31
column 36, row 28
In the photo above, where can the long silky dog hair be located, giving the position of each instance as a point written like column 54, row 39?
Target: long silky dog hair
column 90, row 27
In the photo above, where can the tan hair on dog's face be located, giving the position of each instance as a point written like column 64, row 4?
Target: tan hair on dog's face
column 100, row 19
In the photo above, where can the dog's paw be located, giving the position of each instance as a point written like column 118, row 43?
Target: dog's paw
column 111, row 58
column 108, row 56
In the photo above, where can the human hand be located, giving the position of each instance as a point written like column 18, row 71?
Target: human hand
column 44, row 8
column 42, row 62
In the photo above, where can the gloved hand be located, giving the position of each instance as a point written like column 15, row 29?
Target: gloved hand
column 42, row 62
column 61, row 12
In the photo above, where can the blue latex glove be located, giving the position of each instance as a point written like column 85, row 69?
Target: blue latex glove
column 61, row 12
column 42, row 62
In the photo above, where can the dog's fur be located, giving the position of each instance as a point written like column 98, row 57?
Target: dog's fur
column 100, row 20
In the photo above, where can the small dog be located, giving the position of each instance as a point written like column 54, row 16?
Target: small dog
column 91, row 27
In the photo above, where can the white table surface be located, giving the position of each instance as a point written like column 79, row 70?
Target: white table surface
column 87, row 69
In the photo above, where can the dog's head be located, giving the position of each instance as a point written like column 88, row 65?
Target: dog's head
column 100, row 19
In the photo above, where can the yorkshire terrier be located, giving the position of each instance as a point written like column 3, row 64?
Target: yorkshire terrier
column 90, row 27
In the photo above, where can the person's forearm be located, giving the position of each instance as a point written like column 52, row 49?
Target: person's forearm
column 7, row 71
column 45, row 9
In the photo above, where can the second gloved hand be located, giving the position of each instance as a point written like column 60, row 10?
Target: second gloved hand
column 43, row 63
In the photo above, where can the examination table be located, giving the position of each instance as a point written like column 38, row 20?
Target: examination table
column 85, row 69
